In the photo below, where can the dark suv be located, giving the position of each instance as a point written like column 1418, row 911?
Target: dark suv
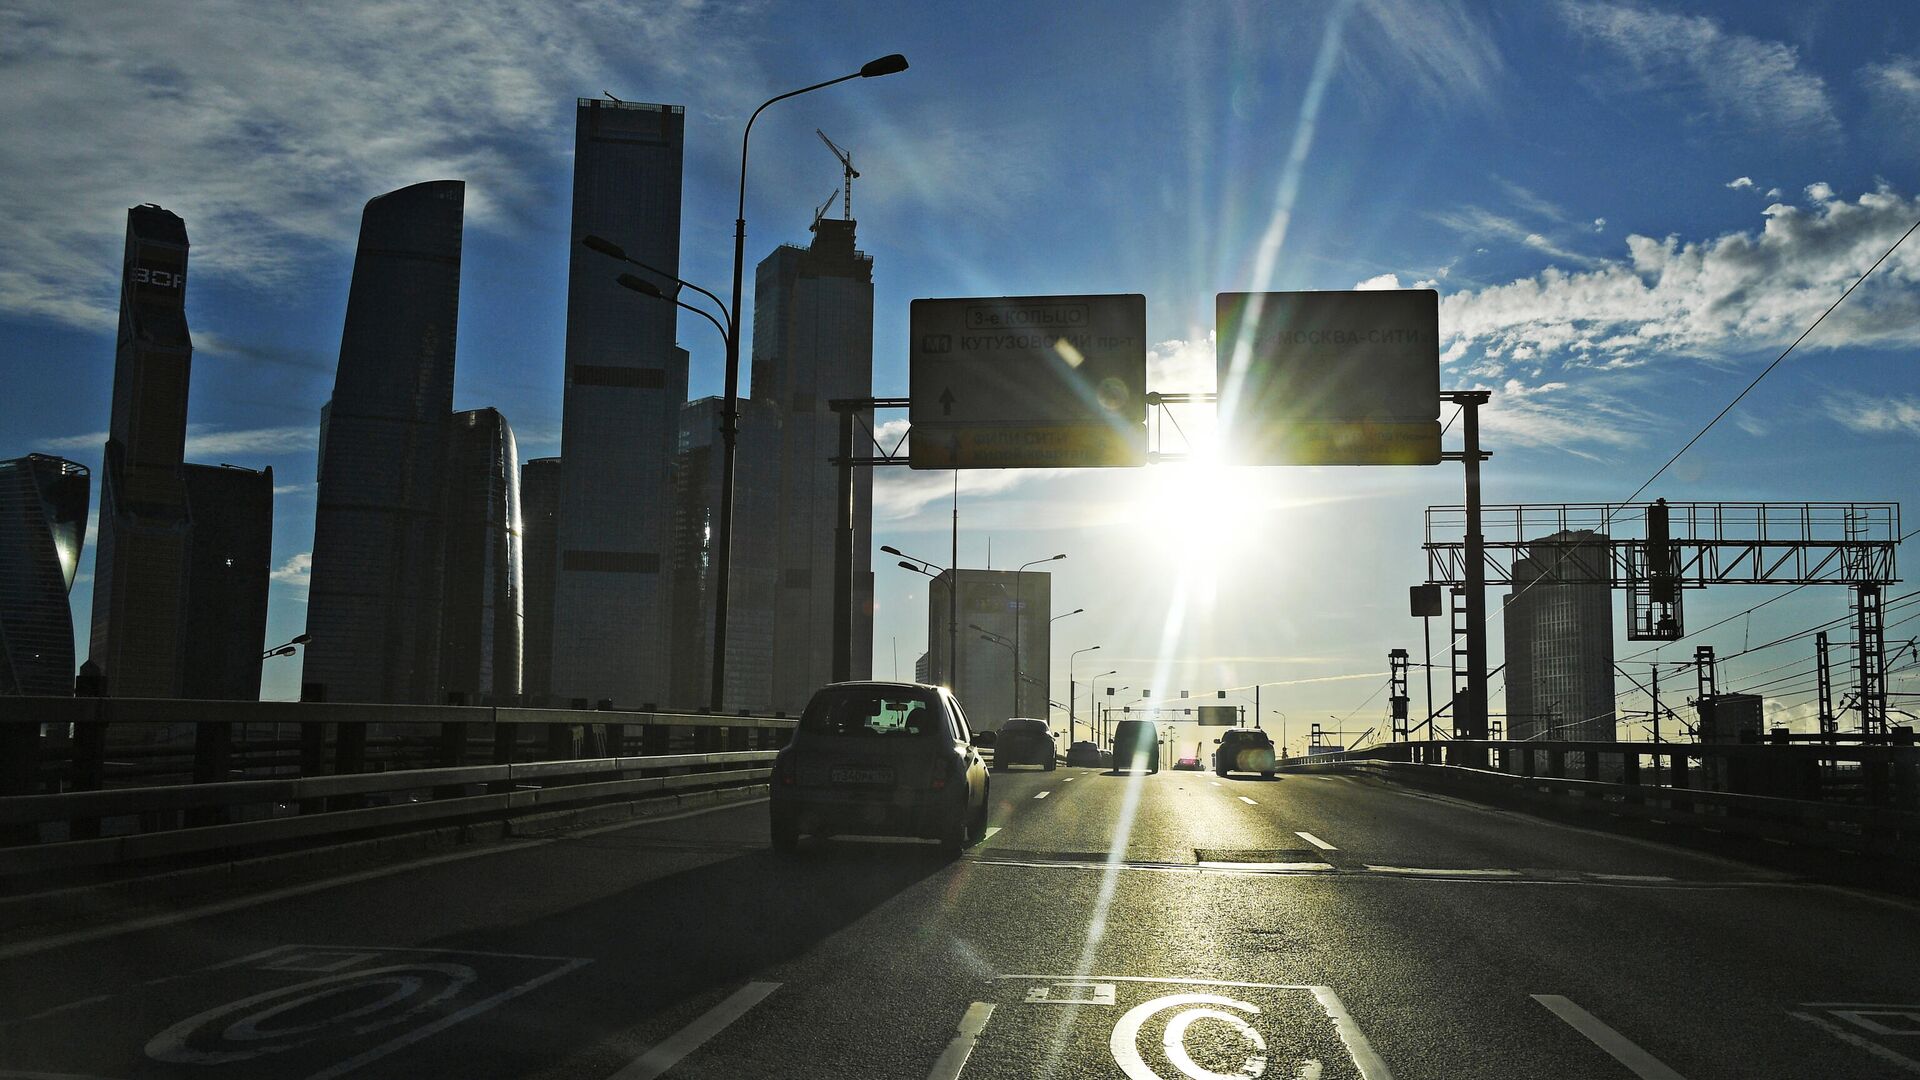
column 1023, row 740
column 1136, row 743
column 881, row 759
column 1244, row 750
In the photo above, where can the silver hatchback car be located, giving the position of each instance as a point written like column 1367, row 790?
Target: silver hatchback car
column 881, row 759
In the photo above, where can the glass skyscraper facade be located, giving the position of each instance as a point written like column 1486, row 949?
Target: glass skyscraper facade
column 812, row 343
column 482, row 616
column 374, row 596
column 43, row 522
column 1559, row 641
column 140, row 559
column 625, row 383
column 229, row 563
column 539, row 531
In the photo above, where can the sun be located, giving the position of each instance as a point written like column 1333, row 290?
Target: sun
column 1196, row 513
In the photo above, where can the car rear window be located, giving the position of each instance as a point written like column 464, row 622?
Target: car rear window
column 873, row 712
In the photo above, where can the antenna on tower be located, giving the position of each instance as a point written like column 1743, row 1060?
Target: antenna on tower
column 611, row 98
column 821, row 210
column 849, row 173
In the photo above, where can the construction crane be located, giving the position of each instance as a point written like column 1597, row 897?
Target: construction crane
column 850, row 174
column 821, row 210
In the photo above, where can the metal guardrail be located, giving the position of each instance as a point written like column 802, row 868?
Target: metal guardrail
column 1864, row 798
column 83, row 780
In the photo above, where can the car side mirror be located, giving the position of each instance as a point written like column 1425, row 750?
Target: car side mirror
column 984, row 739
column 1216, row 742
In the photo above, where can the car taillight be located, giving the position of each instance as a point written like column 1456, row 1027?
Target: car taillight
column 783, row 768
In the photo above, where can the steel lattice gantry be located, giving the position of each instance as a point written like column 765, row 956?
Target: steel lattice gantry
column 1654, row 551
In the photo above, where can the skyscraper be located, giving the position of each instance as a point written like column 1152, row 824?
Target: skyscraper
column 229, row 563
column 540, row 522
column 43, row 521
column 373, row 605
column 140, row 572
column 812, row 344
column 625, row 383
column 1559, row 641
column 481, row 616
column 697, row 468
column 984, row 679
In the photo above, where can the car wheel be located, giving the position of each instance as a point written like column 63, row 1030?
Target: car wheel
column 1266, row 775
column 786, row 831
column 1049, row 765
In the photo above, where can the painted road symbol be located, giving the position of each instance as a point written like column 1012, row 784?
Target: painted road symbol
column 1168, row 1029
column 1888, row 1032
column 294, row 1011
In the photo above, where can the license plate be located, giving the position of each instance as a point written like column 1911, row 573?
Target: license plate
column 861, row 774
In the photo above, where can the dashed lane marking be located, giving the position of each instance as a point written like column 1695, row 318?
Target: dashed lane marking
column 1071, row 779
column 954, row 1057
column 988, row 835
column 1618, row 1046
column 668, row 1053
column 1248, row 801
column 1316, row 841
column 1431, row 871
column 1043, row 795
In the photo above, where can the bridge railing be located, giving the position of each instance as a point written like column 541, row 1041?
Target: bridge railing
column 1864, row 796
column 85, row 781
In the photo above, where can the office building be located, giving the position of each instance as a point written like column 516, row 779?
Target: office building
column 539, row 532
column 482, row 617
column 625, row 383
column 922, row 668
column 229, row 565
column 1559, row 641
column 983, row 676
column 140, row 557
column 812, row 344
column 373, row 603
column 43, row 522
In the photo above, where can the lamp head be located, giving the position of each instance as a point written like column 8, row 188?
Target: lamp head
column 642, row 286
column 603, row 246
column 890, row 64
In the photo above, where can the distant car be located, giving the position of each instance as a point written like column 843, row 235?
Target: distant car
column 881, row 759
column 1186, row 764
column 1023, row 740
column 1244, row 750
column 1136, row 744
column 1083, row 754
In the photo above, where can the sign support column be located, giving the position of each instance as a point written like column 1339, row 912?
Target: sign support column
column 1470, row 709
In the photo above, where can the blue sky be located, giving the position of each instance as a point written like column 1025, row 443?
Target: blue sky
column 1628, row 210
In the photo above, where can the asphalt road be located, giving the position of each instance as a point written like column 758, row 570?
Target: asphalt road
column 1110, row 926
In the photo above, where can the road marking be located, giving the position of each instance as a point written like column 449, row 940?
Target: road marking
column 1124, row 1043
column 688, row 1039
column 221, row 907
column 988, row 835
column 1071, row 779
column 1316, row 841
column 1043, row 795
column 1431, row 871
column 1882, row 1052
column 954, row 1057
column 1215, row 783
column 1631, row 877
column 1265, row 866
column 1248, row 801
column 1618, row 1046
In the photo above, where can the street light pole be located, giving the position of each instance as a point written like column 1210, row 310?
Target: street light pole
column 730, row 407
column 1019, row 616
column 1072, row 696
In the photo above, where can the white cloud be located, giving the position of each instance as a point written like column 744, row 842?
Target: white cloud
column 1599, row 224
column 268, row 125
column 295, row 572
column 1894, row 82
column 1561, row 416
column 1773, row 193
column 206, row 443
column 1758, row 83
column 1820, row 192
column 1880, row 415
column 1435, row 45
column 1710, row 297
column 1740, row 182
column 1380, row 281
column 1478, row 223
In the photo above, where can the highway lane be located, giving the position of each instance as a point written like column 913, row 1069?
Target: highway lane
column 1420, row 936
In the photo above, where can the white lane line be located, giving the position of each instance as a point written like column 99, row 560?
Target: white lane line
column 1358, row 1048
column 1882, row 1052
column 1215, row 783
column 1252, row 866
column 954, row 1058
column 1071, row 779
column 1618, row 1046
column 1316, row 841
column 241, row 903
column 1629, row 877
column 688, row 1039
column 988, row 835
column 1043, row 795
column 1433, row 871
column 1248, row 801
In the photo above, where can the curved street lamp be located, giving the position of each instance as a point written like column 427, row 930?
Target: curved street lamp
column 1019, row 616
column 1072, row 690
column 730, row 405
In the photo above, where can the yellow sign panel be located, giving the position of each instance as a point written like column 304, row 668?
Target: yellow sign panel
column 1353, row 442
column 1049, row 446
